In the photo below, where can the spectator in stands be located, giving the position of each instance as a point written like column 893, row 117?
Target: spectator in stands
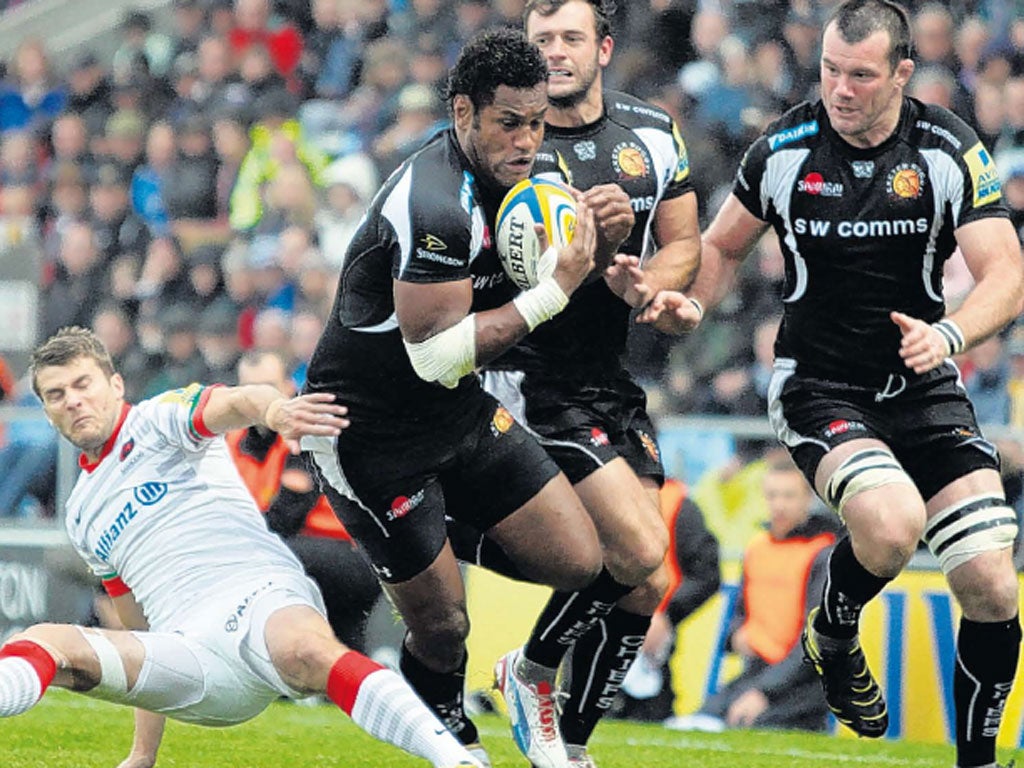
column 117, row 229
column 351, row 182
column 66, row 204
column 218, row 341
column 989, row 113
column 277, row 141
column 1009, row 148
column 125, row 136
column 190, row 190
column 934, row 85
column 290, row 200
column 296, row 510
column 188, row 27
column 987, row 381
column 30, row 97
column 147, row 190
column 271, row 331
column 370, row 107
column 971, row 39
column 69, row 142
column 28, row 461
column 330, row 61
column 114, row 329
column 254, row 26
column 306, row 330
column 695, row 576
column 182, row 363
column 784, row 569
column 418, row 118
column 164, row 280
column 19, row 159
column 90, row 92
column 933, row 45
column 142, row 49
column 79, row 281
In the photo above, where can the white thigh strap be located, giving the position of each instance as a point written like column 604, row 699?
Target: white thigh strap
column 977, row 524
column 113, row 680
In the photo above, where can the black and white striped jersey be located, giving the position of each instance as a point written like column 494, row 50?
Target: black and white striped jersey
column 864, row 231
column 637, row 146
column 429, row 223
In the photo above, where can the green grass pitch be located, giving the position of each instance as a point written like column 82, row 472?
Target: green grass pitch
column 70, row 731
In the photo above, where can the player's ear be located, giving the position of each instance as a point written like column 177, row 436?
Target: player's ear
column 904, row 71
column 462, row 111
column 117, row 382
column 604, row 51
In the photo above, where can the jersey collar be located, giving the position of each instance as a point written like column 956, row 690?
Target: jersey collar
column 83, row 460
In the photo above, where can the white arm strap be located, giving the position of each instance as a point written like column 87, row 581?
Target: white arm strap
column 447, row 356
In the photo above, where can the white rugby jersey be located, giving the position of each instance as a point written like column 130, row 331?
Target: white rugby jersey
column 165, row 514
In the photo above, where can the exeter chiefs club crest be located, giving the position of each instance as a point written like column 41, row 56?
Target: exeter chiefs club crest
column 905, row 181
column 649, row 445
column 501, row 421
column 585, row 150
column 630, row 161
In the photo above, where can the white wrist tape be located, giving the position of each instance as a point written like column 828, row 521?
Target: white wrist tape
column 447, row 356
column 952, row 334
column 542, row 302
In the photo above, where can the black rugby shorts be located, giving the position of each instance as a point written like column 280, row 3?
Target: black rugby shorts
column 927, row 421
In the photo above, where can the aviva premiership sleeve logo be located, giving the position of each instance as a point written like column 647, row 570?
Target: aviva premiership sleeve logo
column 984, row 176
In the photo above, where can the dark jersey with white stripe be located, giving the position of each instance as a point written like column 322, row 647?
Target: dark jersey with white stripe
column 429, row 223
column 864, row 231
column 637, row 146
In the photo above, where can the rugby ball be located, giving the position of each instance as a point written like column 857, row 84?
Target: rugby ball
column 532, row 201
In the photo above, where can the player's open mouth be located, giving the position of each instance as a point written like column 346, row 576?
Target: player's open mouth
column 559, row 74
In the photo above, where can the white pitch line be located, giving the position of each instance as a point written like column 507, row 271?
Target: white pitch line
column 685, row 743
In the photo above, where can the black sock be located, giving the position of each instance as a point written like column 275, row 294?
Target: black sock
column 986, row 664
column 600, row 660
column 849, row 587
column 442, row 692
column 568, row 616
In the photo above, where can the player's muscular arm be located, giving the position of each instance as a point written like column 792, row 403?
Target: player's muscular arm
column 445, row 342
column 724, row 246
column 993, row 256
column 679, row 252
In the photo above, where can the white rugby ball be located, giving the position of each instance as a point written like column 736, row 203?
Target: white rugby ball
column 533, row 201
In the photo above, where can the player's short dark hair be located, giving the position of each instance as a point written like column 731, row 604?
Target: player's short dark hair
column 492, row 58
column 66, row 345
column 603, row 12
column 857, row 20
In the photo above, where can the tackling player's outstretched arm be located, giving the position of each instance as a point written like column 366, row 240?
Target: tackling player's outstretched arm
column 231, row 408
column 724, row 246
column 992, row 254
column 445, row 341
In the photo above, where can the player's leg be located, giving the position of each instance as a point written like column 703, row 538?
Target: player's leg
column 634, row 538
column 884, row 514
column 535, row 517
column 971, row 531
column 309, row 658
column 85, row 660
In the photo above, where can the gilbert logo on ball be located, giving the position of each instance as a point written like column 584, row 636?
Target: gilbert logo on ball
column 533, row 201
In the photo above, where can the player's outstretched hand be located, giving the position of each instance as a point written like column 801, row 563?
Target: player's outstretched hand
column 315, row 414
column 671, row 312
column 922, row 347
column 627, row 280
column 576, row 259
column 613, row 214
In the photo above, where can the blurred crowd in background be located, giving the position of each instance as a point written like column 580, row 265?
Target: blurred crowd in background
column 192, row 195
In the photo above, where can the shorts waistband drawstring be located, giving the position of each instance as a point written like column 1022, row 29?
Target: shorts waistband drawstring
column 894, row 386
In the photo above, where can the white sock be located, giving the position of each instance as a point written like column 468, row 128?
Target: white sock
column 20, row 687
column 386, row 707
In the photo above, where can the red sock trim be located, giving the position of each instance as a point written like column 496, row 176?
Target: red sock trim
column 40, row 659
column 346, row 676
